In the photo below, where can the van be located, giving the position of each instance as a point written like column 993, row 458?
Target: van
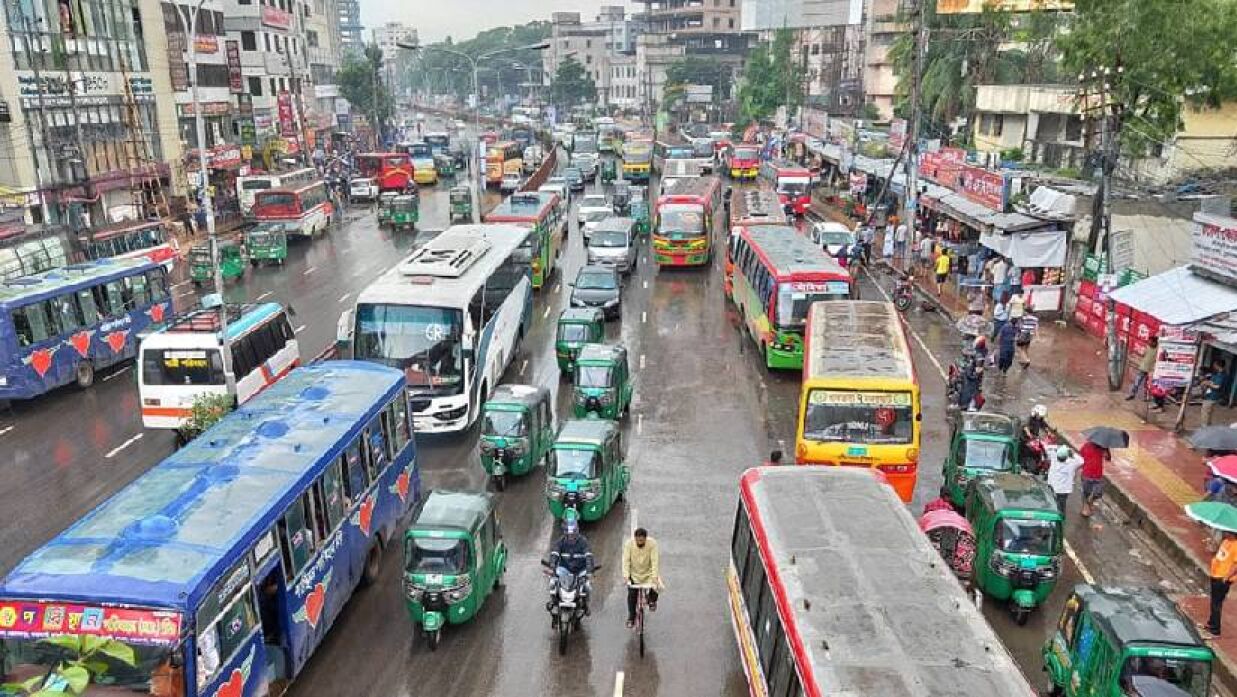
column 613, row 243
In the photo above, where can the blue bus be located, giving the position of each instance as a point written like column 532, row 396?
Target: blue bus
column 63, row 325
column 221, row 569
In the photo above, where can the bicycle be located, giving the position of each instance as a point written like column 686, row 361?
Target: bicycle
column 641, row 602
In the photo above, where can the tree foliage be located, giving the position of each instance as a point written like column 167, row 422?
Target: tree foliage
column 360, row 82
column 207, row 409
column 442, row 73
column 572, row 85
column 698, row 70
column 771, row 79
column 1171, row 54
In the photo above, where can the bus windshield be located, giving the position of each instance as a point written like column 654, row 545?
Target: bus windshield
column 681, row 221
column 424, row 342
column 574, row 464
column 420, row 151
column 846, row 416
column 794, row 299
column 256, row 184
column 25, row 659
column 190, row 367
column 445, row 556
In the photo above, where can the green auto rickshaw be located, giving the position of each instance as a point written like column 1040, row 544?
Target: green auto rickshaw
column 405, row 211
column 454, row 557
column 231, row 262
column 609, row 171
column 460, row 199
column 639, row 211
column 445, row 166
column 587, row 469
column 1114, row 641
column 577, row 326
column 384, row 206
column 517, row 430
column 980, row 443
column 1019, row 533
column 602, row 382
column 266, row 242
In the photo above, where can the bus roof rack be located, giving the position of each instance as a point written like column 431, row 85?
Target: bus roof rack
column 445, row 259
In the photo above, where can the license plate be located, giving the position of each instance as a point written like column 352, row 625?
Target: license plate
column 433, row 579
column 857, row 451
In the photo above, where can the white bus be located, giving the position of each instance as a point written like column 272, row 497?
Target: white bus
column 247, row 187
column 451, row 317
column 183, row 360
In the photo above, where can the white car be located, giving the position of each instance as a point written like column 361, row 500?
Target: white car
column 835, row 238
column 511, row 182
column 363, row 189
column 593, row 202
column 560, row 187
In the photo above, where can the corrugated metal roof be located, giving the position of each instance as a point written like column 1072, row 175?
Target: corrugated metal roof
column 1178, row 296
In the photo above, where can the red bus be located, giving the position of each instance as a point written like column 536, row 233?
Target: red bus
column 392, row 171
column 683, row 221
column 744, row 161
column 792, row 183
column 305, row 210
column 749, row 208
column 833, row 590
column 132, row 239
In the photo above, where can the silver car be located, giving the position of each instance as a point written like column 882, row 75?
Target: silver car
column 613, row 243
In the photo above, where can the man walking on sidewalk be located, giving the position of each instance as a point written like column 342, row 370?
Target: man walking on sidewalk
column 1213, row 389
column 1146, row 364
column 1093, row 457
column 1223, row 571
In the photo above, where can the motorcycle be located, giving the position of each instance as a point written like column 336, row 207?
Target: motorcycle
column 903, row 294
column 568, row 601
column 1035, row 454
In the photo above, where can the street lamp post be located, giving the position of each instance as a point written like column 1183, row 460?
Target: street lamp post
column 475, row 159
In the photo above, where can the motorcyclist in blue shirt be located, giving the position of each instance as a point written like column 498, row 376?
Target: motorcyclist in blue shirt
column 572, row 554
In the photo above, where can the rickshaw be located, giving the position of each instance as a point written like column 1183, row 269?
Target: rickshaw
column 954, row 540
column 460, row 198
column 602, row 382
column 980, row 443
column 587, row 473
column 384, row 206
column 621, row 198
column 577, row 326
column 1125, row 641
column 266, row 242
column 202, row 268
column 517, row 430
column 1018, row 533
column 454, row 557
column 609, row 171
column 405, row 211
column 639, row 211
column 445, row 165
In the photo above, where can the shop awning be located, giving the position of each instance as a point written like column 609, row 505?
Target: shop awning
column 1028, row 250
column 1178, row 296
column 966, row 210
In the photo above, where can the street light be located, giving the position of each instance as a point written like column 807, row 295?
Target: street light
column 474, row 161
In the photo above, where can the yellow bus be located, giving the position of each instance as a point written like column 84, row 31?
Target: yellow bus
column 859, row 403
column 502, row 158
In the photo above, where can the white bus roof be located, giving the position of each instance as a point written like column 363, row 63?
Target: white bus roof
column 447, row 270
column 856, row 339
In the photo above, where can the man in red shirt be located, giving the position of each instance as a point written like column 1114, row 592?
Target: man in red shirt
column 1093, row 458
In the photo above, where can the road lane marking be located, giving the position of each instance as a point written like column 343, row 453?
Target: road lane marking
column 642, row 361
column 118, row 372
column 299, row 329
column 546, row 313
column 618, row 684
column 262, row 297
column 646, row 285
column 639, row 424
column 524, row 366
column 308, row 271
column 6, row 429
column 558, row 287
column 1082, row 569
column 112, row 453
column 344, row 297
column 644, row 317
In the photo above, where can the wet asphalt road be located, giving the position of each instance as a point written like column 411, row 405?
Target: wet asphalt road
column 704, row 410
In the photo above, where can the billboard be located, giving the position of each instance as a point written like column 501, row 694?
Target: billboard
column 974, row 7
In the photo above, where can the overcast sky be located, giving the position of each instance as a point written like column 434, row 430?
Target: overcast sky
column 462, row 19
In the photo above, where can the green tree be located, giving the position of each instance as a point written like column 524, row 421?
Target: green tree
column 443, row 73
column 1162, row 56
column 697, row 70
column 572, row 85
column 771, row 79
column 360, row 82
column 207, row 409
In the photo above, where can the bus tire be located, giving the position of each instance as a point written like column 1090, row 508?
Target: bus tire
column 373, row 564
column 84, row 374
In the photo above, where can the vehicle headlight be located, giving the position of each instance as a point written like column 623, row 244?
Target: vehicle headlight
column 1000, row 566
column 581, row 398
column 412, row 591
column 606, row 397
column 612, row 302
column 487, row 447
column 461, row 591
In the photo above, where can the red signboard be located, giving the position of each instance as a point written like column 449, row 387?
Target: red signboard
column 275, row 17
column 287, row 121
column 942, row 166
column 236, row 81
column 20, row 618
column 206, row 44
column 982, row 186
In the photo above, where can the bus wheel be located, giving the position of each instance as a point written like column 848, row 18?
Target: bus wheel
column 85, row 374
column 373, row 564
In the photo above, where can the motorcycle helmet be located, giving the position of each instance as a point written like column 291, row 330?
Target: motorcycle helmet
column 1039, row 411
column 1063, row 452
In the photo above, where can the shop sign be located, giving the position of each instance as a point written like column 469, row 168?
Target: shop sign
column 858, row 183
column 31, row 618
column 206, row 44
column 236, row 81
column 249, row 134
column 1215, row 246
column 287, row 121
column 942, row 166
column 897, row 134
column 1174, row 362
column 275, row 17
column 79, row 88
column 982, row 186
column 208, row 109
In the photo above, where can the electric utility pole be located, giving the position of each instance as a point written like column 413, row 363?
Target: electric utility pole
column 911, row 147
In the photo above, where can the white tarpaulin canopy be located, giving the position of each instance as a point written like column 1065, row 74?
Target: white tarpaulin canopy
column 1178, row 296
column 1041, row 248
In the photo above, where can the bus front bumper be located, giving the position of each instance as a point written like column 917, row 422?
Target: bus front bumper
column 441, row 418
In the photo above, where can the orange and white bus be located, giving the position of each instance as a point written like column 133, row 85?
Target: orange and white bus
column 502, row 158
column 304, row 211
column 132, row 239
column 683, row 221
column 833, row 590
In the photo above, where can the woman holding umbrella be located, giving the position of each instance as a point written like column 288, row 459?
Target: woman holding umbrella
column 1095, row 452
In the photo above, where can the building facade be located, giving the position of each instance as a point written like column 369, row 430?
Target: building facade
column 600, row 46
column 351, row 31
column 388, row 37
column 678, row 28
column 880, row 31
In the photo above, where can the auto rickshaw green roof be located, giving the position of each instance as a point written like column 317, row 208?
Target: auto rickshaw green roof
column 582, row 315
column 604, row 354
column 508, row 397
column 452, row 510
column 1012, row 491
column 1140, row 616
column 988, row 423
column 585, row 432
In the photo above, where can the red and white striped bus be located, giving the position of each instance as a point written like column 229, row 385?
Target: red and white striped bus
column 133, row 239
column 833, row 590
column 792, row 183
column 305, row 210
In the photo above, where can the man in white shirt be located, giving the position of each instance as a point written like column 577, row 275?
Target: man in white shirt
column 899, row 241
column 1061, row 473
column 1000, row 277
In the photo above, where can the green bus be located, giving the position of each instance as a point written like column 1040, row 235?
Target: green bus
column 540, row 211
column 778, row 274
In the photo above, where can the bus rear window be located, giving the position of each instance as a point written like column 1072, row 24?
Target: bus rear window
column 846, row 416
column 188, row 367
column 277, row 201
column 256, row 184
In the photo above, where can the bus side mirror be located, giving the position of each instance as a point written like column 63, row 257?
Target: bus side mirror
column 343, row 329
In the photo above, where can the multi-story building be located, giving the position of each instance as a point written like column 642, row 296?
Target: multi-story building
column 678, row 28
column 598, row 46
column 324, row 46
column 624, row 83
column 351, row 31
column 388, row 37
column 83, row 128
column 881, row 30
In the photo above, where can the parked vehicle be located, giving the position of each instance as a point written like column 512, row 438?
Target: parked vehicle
column 603, row 382
column 577, row 327
column 517, row 430
column 598, row 286
column 587, row 472
column 980, row 444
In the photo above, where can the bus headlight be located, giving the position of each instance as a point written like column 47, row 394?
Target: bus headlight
column 912, row 455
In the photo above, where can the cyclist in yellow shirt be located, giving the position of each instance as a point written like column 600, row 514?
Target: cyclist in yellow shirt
column 641, row 567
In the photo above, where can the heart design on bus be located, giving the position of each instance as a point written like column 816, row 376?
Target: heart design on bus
column 81, row 342
column 156, row 312
column 365, row 515
column 117, row 340
column 234, row 687
column 314, row 602
column 41, row 360
column 401, row 485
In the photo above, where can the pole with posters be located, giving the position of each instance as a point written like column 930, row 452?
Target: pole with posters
column 1179, row 424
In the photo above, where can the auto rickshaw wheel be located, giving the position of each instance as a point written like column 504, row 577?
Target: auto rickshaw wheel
column 84, row 374
column 1021, row 615
column 1055, row 690
column 500, row 482
column 373, row 564
column 253, row 263
column 432, row 638
column 197, row 283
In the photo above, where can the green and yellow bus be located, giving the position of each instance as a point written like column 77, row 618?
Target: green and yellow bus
column 539, row 211
column 778, row 274
column 637, row 160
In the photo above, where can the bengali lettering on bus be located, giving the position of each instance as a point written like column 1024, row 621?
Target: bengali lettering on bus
column 22, row 618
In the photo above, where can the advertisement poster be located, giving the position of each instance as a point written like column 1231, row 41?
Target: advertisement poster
column 1174, row 362
column 858, row 183
column 982, row 186
column 974, row 7
column 287, row 121
column 1215, row 245
column 236, row 81
column 275, row 17
column 20, row 618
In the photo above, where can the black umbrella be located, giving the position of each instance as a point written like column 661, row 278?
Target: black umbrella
column 1107, row 437
column 1214, row 438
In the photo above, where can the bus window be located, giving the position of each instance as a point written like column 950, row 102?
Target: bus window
column 377, row 449
column 217, row 643
column 296, row 540
column 397, row 413
column 243, row 359
column 182, row 367
column 67, row 314
column 158, row 284
column 355, row 480
column 135, row 292
column 86, row 301
column 333, row 495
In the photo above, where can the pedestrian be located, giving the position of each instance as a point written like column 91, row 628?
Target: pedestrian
column 888, row 251
column 926, row 245
column 1005, row 346
column 1000, row 278
column 1061, row 475
column 1026, row 332
column 1146, row 364
column 1017, row 305
column 1093, row 456
column 867, row 234
column 942, row 270
column 900, row 235
column 1214, row 383
column 1223, row 571
column 1000, row 314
